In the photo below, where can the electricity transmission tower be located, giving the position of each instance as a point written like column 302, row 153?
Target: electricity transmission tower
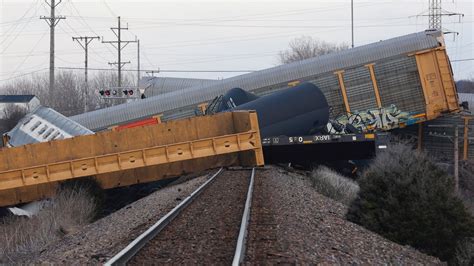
column 435, row 15
column 52, row 21
column 119, row 46
column 87, row 40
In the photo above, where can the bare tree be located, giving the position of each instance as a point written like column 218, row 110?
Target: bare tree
column 11, row 115
column 69, row 95
column 306, row 47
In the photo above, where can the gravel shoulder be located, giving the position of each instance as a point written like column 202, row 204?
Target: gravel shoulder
column 295, row 224
column 101, row 240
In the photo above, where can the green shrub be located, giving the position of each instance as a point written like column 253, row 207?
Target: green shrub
column 405, row 197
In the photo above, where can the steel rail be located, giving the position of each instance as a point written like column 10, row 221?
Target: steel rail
column 136, row 245
column 241, row 241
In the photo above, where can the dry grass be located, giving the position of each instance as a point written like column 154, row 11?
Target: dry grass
column 72, row 208
column 334, row 185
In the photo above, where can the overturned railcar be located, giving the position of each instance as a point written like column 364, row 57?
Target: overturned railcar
column 298, row 111
column 410, row 74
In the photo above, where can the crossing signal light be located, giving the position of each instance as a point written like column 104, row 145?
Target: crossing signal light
column 128, row 92
column 108, row 93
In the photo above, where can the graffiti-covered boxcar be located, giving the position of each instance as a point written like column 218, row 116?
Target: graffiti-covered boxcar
column 410, row 72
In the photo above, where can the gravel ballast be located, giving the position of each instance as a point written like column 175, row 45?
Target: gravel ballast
column 99, row 241
column 206, row 231
column 292, row 223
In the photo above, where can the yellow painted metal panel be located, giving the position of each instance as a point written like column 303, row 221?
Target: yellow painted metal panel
column 447, row 80
column 343, row 90
column 370, row 136
column 131, row 156
column 437, row 82
column 374, row 84
column 121, row 160
column 293, row 83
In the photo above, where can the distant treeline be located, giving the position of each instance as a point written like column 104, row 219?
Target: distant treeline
column 69, row 95
column 465, row 86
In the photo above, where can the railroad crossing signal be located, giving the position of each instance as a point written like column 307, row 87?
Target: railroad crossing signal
column 121, row 93
column 128, row 92
column 104, row 92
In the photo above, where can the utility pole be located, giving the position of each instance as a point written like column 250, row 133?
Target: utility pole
column 87, row 40
column 52, row 21
column 138, row 63
column 455, row 139
column 352, row 22
column 117, row 31
column 456, row 158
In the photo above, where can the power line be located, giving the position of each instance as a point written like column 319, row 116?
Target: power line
column 119, row 48
column 11, row 31
column 195, row 42
column 215, row 59
column 87, row 24
column 10, row 78
column 77, row 33
column 462, row 60
column 333, row 27
column 31, row 51
column 17, row 21
column 166, row 70
column 13, row 27
column 233, row 18
column 158, row 20
column 110, row 9
column 147, row 58
column 435, row 15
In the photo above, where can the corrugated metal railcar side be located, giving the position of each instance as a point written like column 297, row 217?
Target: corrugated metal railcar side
column 411, row 72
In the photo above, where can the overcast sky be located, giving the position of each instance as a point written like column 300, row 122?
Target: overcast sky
column 211, row 35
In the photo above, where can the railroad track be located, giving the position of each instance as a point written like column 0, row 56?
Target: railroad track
column 209, row 226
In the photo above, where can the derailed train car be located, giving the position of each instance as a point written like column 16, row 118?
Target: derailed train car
column 298, row 111
column 295, row 126
column 408, row 76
